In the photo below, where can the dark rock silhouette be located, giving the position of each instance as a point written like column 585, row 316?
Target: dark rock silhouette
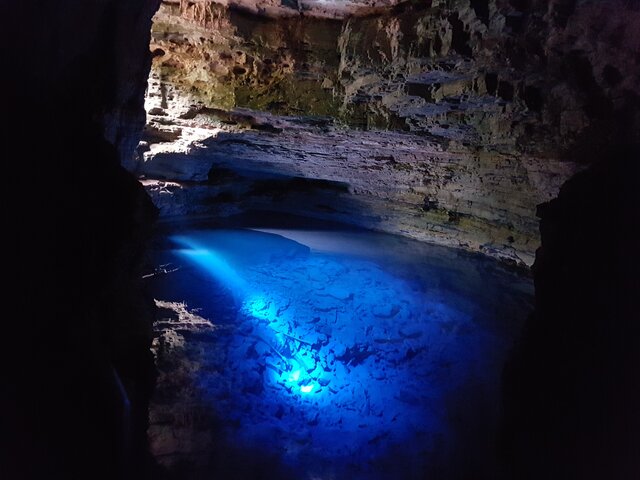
column 75, row 223
column 572, row 388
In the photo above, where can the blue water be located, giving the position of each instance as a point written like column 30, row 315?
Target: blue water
column 335, row 354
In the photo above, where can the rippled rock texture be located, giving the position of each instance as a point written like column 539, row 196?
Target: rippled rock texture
column 445, row 121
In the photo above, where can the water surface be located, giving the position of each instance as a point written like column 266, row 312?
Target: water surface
column 308, row 354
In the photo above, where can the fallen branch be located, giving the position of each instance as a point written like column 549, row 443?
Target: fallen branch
column 161, row 270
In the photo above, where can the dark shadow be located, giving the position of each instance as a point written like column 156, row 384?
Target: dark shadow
column 572, row 388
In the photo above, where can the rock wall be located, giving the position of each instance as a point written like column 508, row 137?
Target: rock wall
column 381, row 180
column 520, row 76
column 278, row 9
column 463, row 115
column 571, row 388
column 79, row 377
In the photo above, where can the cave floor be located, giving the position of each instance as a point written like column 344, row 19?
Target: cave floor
column 328, row 354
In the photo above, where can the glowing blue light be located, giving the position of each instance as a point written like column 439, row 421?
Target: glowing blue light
column 358, row 361
column 258, row 307
column 213, row 263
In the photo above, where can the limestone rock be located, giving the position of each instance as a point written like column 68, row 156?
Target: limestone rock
column 442, row 121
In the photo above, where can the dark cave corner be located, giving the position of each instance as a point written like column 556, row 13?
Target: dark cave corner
column 77, row 398
column 76, row 395
column 571, row 386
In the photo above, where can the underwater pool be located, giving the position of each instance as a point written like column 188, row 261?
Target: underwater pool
column 328, row 354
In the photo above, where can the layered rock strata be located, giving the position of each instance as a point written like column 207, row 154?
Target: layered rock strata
column 382, row 180
column 291, row 8
column 444, row 121
column 537, row 76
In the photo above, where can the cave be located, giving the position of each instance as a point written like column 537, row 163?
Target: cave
column 322, row 239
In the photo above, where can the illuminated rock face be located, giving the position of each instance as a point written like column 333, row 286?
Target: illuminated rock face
column 530, row 78
column 448, row 121
column 385, row 180
column 292, row 8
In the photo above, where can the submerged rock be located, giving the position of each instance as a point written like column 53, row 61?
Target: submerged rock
column 386, row 310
